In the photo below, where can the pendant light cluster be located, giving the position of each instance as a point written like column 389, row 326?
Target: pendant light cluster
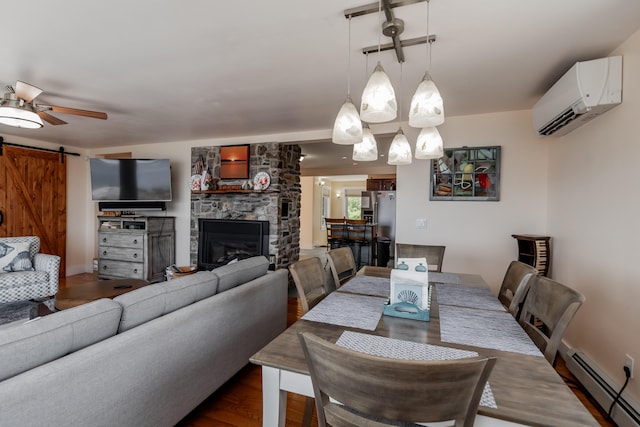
column 379, row 105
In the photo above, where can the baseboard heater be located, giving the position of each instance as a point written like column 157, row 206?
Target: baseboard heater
column 599, row 385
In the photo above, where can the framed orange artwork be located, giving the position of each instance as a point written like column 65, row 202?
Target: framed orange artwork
column 234, row 162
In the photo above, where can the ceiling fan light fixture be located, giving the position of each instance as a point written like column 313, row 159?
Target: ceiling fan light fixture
column 17, row 113
column 427, row 107
column 367, row 150
column 378, row 98
column 347, row 129
column 400, row 150
column 429, row 144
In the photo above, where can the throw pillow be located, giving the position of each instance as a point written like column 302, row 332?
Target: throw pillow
column 15, row 257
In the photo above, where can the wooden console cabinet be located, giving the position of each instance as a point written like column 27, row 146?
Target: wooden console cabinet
column 135, row 247
column 535, row 251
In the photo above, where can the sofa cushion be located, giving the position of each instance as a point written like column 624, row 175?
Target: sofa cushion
column 14, row 256
column 150, row 302
column 44, row 339
column 237, row 273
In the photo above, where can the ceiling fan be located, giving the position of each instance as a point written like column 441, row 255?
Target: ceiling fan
column 17, row 108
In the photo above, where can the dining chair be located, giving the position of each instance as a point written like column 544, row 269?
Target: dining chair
column 434, row 254
column 336, row 232
column 342, row 264
column 377, row 391
column 515, row 286
column 547, row 311
column 308, row 276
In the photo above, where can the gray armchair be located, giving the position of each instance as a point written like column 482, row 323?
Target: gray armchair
column 39, row 281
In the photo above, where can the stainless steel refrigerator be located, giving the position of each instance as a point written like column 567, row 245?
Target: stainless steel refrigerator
column 379, row 207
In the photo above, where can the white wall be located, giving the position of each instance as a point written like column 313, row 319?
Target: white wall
column 478, row 234
column 80, row 217
column 306, row 211
column 594, row 198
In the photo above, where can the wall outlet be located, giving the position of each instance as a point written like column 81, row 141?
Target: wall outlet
column 421, row 223
column 628, row 362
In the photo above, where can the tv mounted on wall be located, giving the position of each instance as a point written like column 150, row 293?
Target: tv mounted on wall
column 132, row 183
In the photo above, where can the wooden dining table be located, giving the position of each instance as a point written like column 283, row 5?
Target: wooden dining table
column 525, row 389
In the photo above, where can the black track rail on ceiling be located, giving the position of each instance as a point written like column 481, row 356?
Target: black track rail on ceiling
column 373, row 7
column 49, row 150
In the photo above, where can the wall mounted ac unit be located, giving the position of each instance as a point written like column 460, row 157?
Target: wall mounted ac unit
column 587, row 90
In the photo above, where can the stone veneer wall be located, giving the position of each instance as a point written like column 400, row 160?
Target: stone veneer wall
column 279, row 204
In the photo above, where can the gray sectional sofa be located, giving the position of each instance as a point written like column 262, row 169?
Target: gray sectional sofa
column 146, row 358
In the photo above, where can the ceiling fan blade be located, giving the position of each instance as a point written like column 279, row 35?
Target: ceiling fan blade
column 26, row 91
column 50, row 119
column 78, row 112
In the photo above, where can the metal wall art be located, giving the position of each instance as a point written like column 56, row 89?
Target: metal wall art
column 467, row 173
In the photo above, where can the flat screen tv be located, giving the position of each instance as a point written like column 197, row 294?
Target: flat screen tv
column 143, row 180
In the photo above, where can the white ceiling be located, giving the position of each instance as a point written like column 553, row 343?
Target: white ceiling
column 199, row 69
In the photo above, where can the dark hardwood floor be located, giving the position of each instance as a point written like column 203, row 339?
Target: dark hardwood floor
column 239, row 402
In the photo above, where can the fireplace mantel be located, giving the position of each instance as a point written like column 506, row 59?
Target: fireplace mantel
column 205, row 192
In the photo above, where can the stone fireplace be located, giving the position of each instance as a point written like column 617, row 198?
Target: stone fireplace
column 279, row 204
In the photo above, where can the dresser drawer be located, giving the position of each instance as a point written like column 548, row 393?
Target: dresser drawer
column 112, row 268
column 128, row 240
column 121, row 254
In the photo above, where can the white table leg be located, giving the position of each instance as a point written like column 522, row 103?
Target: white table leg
column 274, row 400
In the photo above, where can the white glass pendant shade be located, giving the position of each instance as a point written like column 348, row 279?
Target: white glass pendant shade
column 427, row 107
column 347, row 129
column 429, row 144
column 20, row 117
column 367, row 150
column 400, row 150
column 378, row 98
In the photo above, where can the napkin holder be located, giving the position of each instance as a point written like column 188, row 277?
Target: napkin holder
column 410, row 295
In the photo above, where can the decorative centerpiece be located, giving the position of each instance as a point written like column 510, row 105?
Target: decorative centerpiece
column 410, row 292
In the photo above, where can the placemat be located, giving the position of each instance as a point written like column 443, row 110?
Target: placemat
column 398, row 349
column 484, row 328
column 343, row 309
column 466, row 296
column 367, row 285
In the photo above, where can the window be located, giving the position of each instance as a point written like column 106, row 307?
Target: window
column 353, row 202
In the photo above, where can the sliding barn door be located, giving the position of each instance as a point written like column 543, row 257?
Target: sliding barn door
column 33, row 198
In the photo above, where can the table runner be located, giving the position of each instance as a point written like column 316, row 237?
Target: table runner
column 367, row 285
column 350, row 310
column 456, row 279
column 466, row 296
column 484, row 328
column 406, row 350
